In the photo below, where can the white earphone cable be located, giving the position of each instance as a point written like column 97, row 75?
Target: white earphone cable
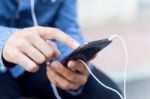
column 125, row 69
column 126, row 62
column 55, row 91
column 33, row 13
column 110, row 38
column 36, row 24
column 105, row 86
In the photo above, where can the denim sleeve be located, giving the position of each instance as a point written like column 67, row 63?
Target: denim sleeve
column 5, row 32
column 67, row 22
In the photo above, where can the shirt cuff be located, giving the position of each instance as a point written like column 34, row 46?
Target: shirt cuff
column 5, row 34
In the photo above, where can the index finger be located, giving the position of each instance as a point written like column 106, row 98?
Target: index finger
column 53, row 33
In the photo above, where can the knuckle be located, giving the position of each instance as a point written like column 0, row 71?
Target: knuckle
column 32, row 68
column 41, row 60
column 29, row 36
column 29, row 67
column 20, row 44
column 49, row 53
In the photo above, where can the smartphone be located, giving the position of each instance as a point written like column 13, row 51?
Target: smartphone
column 87, row 51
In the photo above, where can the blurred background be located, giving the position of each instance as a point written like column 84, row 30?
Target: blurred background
column 131, row 19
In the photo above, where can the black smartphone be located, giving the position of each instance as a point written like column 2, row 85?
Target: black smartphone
column 87, row 51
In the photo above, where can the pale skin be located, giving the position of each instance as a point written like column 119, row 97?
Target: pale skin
column 30, row 47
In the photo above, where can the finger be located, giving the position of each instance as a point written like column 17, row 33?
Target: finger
column 33, row 53
column 57, row 52
column 66, row 73
column 53, row 33
column 71, row 65
column 78, row 66
column 26, row 62
column 43, row 46
column 61, row 81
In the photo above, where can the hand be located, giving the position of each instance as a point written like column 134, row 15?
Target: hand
column 30, row 47
column 71, row 77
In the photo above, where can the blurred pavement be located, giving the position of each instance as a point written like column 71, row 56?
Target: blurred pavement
column 131, row 20
column 111, row 60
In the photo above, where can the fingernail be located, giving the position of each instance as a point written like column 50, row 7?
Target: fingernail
column 31, row 64
column 75, row 44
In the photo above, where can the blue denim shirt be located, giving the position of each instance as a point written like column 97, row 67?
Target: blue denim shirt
column 16, row 14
